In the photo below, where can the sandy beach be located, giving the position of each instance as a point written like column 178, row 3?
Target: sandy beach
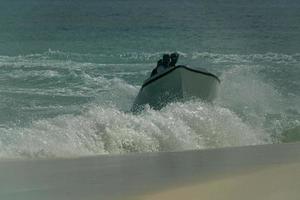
column 275, row 182
column 253, row 172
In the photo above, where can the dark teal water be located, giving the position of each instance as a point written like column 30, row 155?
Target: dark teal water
column 70, row 70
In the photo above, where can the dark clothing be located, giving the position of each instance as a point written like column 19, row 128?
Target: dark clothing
column 166, row 60
column 154, row 71
column 165, row 63
column 174, row 59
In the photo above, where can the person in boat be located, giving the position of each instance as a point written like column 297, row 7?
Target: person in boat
column 154, row 71
column 174, row 58
column 165, row 63
column 162, row 64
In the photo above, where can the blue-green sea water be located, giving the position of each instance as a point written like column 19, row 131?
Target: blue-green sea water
column 70, row 70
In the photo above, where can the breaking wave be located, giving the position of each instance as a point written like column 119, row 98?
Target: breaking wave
column 102, row 130
column 59, row 104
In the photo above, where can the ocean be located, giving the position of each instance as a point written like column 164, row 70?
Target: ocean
column 70, row 70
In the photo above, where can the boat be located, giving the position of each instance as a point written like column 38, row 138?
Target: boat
column 179, row 83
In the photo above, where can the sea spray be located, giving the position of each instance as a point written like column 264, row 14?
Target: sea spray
column 59, row 104
column 98, row 130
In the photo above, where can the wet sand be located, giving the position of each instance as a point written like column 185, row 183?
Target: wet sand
column 272, row 183
column 260, row 172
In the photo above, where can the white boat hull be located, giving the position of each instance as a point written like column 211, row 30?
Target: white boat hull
column 176, row 84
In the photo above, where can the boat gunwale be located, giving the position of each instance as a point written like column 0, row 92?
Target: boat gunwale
column 154, row 78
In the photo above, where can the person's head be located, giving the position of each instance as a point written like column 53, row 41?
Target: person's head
column 174, row 59
column 166, row 59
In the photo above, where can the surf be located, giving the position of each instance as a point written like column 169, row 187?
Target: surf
column 61, row 104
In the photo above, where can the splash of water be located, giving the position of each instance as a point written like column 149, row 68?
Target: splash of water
column 80, row 105
column 102, row 130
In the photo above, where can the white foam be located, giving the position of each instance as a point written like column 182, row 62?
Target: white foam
column 237, row 58
column 249, row 110
column 256, row 101
column 99, row 130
